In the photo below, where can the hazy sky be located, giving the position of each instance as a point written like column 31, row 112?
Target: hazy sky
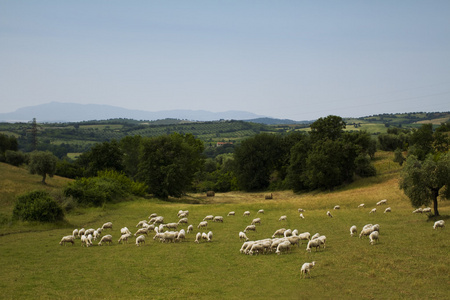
column 286, row 59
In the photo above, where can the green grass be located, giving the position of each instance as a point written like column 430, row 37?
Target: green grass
column 411, row 260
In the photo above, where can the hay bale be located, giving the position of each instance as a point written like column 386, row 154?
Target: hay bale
column 210, row 194
column 268, row 196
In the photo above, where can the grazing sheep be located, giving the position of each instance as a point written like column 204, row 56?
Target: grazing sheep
column 261, row 211
column 243, row 236
column 107, row 225
column 125, row 230
column 172, row 225
column 67, row 239
column 246, row 213
column 218, row 219
column 336, row 207
column 204, row 236
column 387, row 210
column 158, row 220
column 306, row 269
column 84, row 241
column 181, row 235
column 142, row 231
column 183, row 220
column 75, row 232
column 282, row 218
column 417, row 211
column 361, row 205
column 256, row 221
column 105, row 239
column 169, row 236
column 81, row 232
column 301, row 210
column 208, row 218
column 246, row 245
column 140, row 239
column 231, row 213
column 374, row 210
column 438, row 224
column 203, row 224
column 426, row 210
column 323, row 240
column 161, row 227
column 376, row 227
column 283, row 246
column 315, row 236
column 353, row 230
column 149, row 227
column 198, row 237
column 190, row 228
column 250, row 227
column 153, row 215
column 124, row 238
column 141, row 223
column 366, row 231
column 287, row 233
column 256, row 247
column 96, row 235
column 373, row 237
column 382, row 202
column 210, row 236
column 313, row 243
column 183, row 213
column 89, row 231
column 294, row 240
column 279, row 232
column 329, row 214
column 301, row 216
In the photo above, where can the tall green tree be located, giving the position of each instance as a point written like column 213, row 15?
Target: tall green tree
column 43, row 163
column 425, row 181
column 330, row 127
column 168, row 163
column 102, row 156
column 421, row 141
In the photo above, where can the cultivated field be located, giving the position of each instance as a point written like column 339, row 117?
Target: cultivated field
column 411, row 260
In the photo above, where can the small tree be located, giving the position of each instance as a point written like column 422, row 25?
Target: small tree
column 424, row 181
column 43, row 163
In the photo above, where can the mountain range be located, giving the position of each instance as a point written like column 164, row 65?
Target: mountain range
column 55, row 112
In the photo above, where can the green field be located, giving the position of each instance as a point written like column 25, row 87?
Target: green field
column 411, row 260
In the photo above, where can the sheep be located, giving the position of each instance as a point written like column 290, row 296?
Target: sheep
column 301, row 210
column 376, row 227
column 246, row 213
column 261, row 211
column 105, row 239
column 183, row 213
column 181, row 235
column 387, row 210
column 159, row 235
column 124, row 237
column 305, row 236
column 183, row 220
column 384, row 201
column 245, row 245
column 67, row 239
column 438, row 224
column 140, row 239
column 256, row 221
column 283, row 246
column 156, row 220
column 323, row 240
column 426, row 210
column 190, row 228
column 315, row 236
column 287, row 233
column 198, row 237
column 367, row 226
column 161, row 227
column 250, row 227
column 301, row 216
column 336, row 207
column 374, row 210
column 203, row 224
column 204, row 236
column 366, row 231
column 125, row 230
column 89, row 239
column 282, row 218
column 81, row 232
column 243, row 236
column 171, row 225
column 294, row 240
column 231, row 213
column 218, row 219
column 169, row 236
column 153, row 215
column 329, row 214
column 208, row 218
column 107, row 225
column 279, row 232
column 373, row 237
column 276, row 242
column 417, row 211
column 268, row 196
column 256, row 247
column 96, row 235
column 142, row 231
column 141, row 223
column 84, row 241
column 353, row 230
column 210, row 236
column 306, row 269
column 313, row 243
column 75, row 232
column 361, row 205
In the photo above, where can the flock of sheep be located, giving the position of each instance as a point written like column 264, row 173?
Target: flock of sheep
column 281, row 241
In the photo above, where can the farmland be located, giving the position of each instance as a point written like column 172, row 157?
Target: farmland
column 410, row 261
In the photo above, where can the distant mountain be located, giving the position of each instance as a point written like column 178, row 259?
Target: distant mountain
column 71, row 112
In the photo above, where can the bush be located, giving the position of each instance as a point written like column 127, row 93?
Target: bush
column 363, row 166
column 37, row 206
column 15, row 158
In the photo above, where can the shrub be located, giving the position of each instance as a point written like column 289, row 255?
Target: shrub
column 363, row 166
column 15, row 158
column 37, row 206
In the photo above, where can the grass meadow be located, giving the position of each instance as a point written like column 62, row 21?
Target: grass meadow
column 411, row 260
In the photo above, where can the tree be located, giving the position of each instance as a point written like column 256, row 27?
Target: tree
column 130, row 146
column 102, row 156
column 421, row 141
column 425, row 181
column 330, row 127
column 43, row 163
column 168, row 163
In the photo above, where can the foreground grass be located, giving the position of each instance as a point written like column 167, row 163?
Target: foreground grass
column 410, row 261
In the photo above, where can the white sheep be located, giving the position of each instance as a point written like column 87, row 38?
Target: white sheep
column 208, row 218
column 243, row 236
column 366, row 231
column 171, row 225
column 125, row 230
column 250, row 227
column 305, row 236
column 141, row 223
column 301, row 216
column 256, row 247
column 246, row 213
column 315, row 236
column 279, row 232
column 190, row 228
column 373, row 237
column 323, row 240
column 287, row 233
column 183, row 221
column 417, row 211
column 336, row 207
column 301, row 210
column 67, row 239
column 282, row 218
column 140, row 239
column 203, row 224
column 329, row 214
column 426, row 210
column 107, row 225
column 353, row 230
column 84, row 241
column 169, row 236
column 374, row 210
column 306, row 269
column 198, row 237
column 142, row 231
column 153, row 215
column 204, row 236
column 158, row 220
column 210, row 236
column 124, row 238
column 96, row 235
column 245, row 245
column 81, row 232
column 361, row 205
column 283, row 246
column 384, row 201
column 89, row 239
column 294, row 240
column 105, row 239
column 89, row 231
column 218, row 219
column 376, row 227
column 183, row 213
column 387, row 210
column 313, row 243
column 181, row 235
column 295, row 232
column 261, row 211
column 75, row 232
column 231, row 213
column 256, row 221
column 438, row 224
